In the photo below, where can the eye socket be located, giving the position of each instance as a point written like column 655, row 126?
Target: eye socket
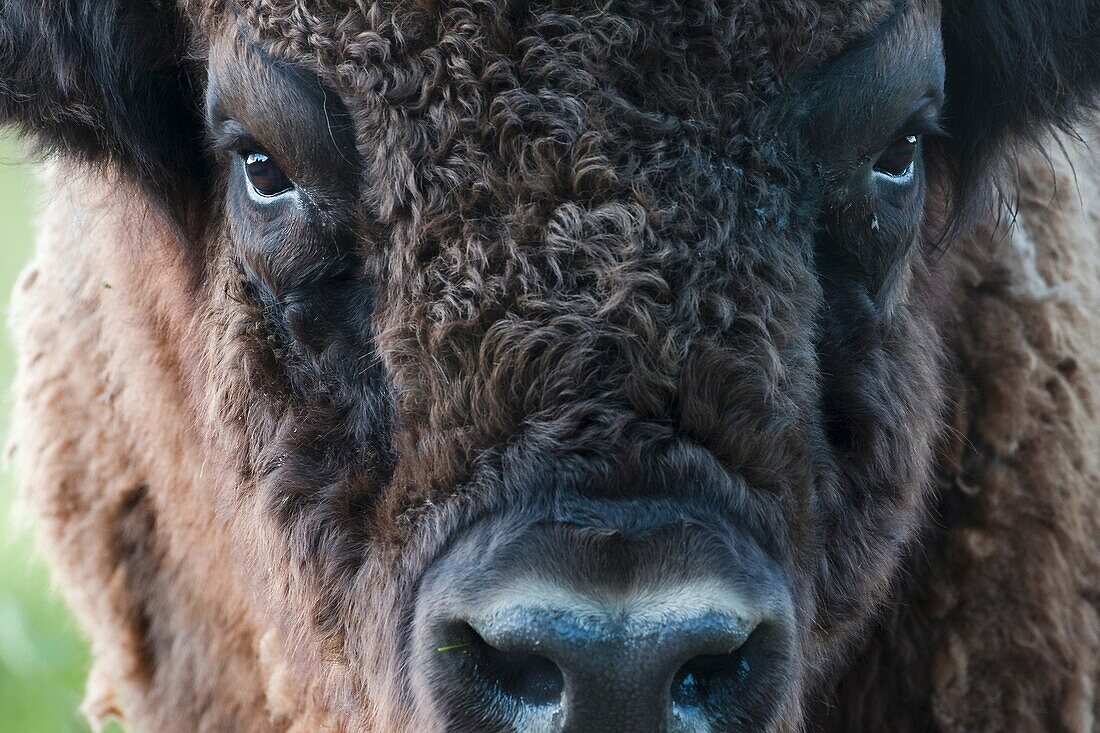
column 264, row 175
column 898, row 159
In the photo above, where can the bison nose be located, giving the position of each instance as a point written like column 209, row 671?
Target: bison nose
column 556, row 629
column 576, row 668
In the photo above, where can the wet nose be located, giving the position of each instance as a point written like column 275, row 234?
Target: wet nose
column 557, row 628
column 578, row 667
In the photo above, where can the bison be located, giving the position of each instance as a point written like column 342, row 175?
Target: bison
column 567, row 365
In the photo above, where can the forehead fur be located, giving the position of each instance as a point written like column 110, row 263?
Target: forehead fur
column 753, row 39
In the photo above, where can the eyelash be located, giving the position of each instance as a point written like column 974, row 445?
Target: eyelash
column 232, row 139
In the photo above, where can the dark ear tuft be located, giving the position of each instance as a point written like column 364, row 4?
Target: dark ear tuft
column 1014, row 68
column 107, row 80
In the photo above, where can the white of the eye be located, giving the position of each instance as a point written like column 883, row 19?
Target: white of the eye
column 261, row 198
column 905, row 177
column 256, row 196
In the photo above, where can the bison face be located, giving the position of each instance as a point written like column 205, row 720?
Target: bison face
column 565, row 366
column 610, row 326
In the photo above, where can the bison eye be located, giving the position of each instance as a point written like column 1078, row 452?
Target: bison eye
column 264, row 175
column 897, row 160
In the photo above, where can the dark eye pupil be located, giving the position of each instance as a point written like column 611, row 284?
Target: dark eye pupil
column 264, row 175
column 897, row 159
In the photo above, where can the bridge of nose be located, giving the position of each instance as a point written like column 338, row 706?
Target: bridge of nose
column 622, row 687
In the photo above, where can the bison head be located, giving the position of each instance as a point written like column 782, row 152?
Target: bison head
column 532, row 365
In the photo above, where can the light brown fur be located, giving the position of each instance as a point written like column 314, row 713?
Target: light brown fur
column 100, row 377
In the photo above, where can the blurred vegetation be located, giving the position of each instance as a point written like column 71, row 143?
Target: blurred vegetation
column 43, row 658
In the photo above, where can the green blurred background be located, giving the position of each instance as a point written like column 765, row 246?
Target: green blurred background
column 43, row 658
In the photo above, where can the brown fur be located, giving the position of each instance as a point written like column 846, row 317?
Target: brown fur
column 240, row 494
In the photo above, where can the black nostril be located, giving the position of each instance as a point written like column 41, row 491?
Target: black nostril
column 527, row 679
column 735, row 688
column 706, row 679
column 493, row 684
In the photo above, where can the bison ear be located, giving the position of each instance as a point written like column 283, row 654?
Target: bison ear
column 1016, row 67
column 106, row 80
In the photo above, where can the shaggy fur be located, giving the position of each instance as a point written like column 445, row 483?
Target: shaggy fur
column 551, row 250
column 994, row 624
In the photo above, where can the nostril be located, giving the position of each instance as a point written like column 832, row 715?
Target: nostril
column 529, row 680
column 738, row 688
column 704, row 680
